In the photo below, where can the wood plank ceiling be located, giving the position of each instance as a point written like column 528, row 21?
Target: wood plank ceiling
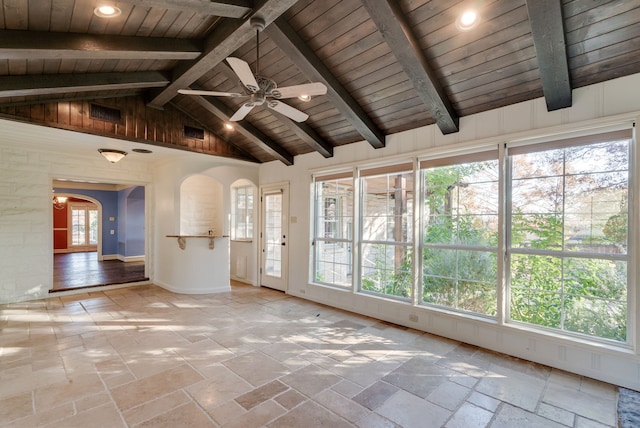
column 389, row 65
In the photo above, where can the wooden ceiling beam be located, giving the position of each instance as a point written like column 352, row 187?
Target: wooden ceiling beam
column 219, row 109
column 225, row 9
column 47, row 84
column 43, row 45
column 226, row 38
column 547, row 30
column 396, row 31
column 286, row 38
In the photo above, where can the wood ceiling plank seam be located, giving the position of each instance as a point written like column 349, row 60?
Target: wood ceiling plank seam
column 496, row 86
column 496, row 65
column 390, row 21
column 492, row 15
column 493, row 75
column 364, row 75
column 315, row 70
column 619, row 35
column 601, row 28
column 16, row 15
column 622, row 50
column 504, row 97
column 344, row 22
column 601, row 16
column 39, row 12
column 150, row 22
column 606, row 70
column 165, row 23
column 309, row 16
column 493, row 59
column 227, row 9
column 358, row 39
column 220, row 44
column 362, row 59
column 455, row 51
column 384, row 87
column 178, row 26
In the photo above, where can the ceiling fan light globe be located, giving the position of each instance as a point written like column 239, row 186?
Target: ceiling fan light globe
column 304, row 97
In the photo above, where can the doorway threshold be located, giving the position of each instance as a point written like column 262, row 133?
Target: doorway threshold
column 81, row 287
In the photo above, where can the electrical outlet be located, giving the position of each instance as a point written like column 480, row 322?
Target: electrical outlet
column 413, row 317
column 302, row 291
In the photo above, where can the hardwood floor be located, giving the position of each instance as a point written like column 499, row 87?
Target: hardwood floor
column 82, row 270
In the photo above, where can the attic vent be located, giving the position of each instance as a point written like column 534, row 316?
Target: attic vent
column 191, row 132
column 105, row 113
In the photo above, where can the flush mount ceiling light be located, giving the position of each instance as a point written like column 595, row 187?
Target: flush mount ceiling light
column 112, row 156
column 107, row 11
column 59, row 201
column 467, row 20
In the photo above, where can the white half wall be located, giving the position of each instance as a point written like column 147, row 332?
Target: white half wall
column 591, row 105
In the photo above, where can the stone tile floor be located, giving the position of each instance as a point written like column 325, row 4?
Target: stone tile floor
column 144, row 357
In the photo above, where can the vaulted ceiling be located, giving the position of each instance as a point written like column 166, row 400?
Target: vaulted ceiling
column 388, row 65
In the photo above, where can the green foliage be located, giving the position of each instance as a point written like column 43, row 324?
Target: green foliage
column 385, row 277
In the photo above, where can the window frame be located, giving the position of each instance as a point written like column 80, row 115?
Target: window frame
column 248, row 214
column 525, row 141
column 318, row 231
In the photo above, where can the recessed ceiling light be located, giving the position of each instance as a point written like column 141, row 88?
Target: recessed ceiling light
column 305, row 97
column 468, row 20
column 228, row 126
column 145, row 151
column 107, row 11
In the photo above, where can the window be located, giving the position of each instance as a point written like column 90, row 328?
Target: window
column 568, row 241
column 537, row 234
column 84, row 224
column 333, row 229
column 387, row 229
column 460, row 232
column 242, row 200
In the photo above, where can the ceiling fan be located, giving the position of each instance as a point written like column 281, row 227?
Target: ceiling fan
column 262, row 90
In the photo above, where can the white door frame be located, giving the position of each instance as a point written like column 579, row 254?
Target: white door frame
column 278, row 283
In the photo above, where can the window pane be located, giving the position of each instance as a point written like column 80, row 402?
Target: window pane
column 387, row 207
column 242, row 212
column 333, row 231
column 93, row 227
column 461, row 210
column 461, row 204
column 387, row 269
column 460, row 279
column 566, row 203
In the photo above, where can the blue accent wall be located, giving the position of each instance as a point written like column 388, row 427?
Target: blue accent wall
column 131, row 222
column 109, row 201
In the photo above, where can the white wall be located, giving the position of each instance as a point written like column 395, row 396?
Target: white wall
column 591, row 105
column 196, row 269
column 26, row 225
column 201, row 203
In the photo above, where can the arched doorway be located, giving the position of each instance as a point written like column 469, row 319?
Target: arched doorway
column 93, row 237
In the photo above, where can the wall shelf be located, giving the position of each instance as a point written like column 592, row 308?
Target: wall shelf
column 182, row 239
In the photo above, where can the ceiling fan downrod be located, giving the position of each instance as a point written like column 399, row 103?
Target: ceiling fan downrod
column 258, row 24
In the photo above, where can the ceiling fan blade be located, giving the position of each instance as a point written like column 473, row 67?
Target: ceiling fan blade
column 242, row 69
column 242, row 112
column 210, row 93
column 287, row 110
column 308, row 89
